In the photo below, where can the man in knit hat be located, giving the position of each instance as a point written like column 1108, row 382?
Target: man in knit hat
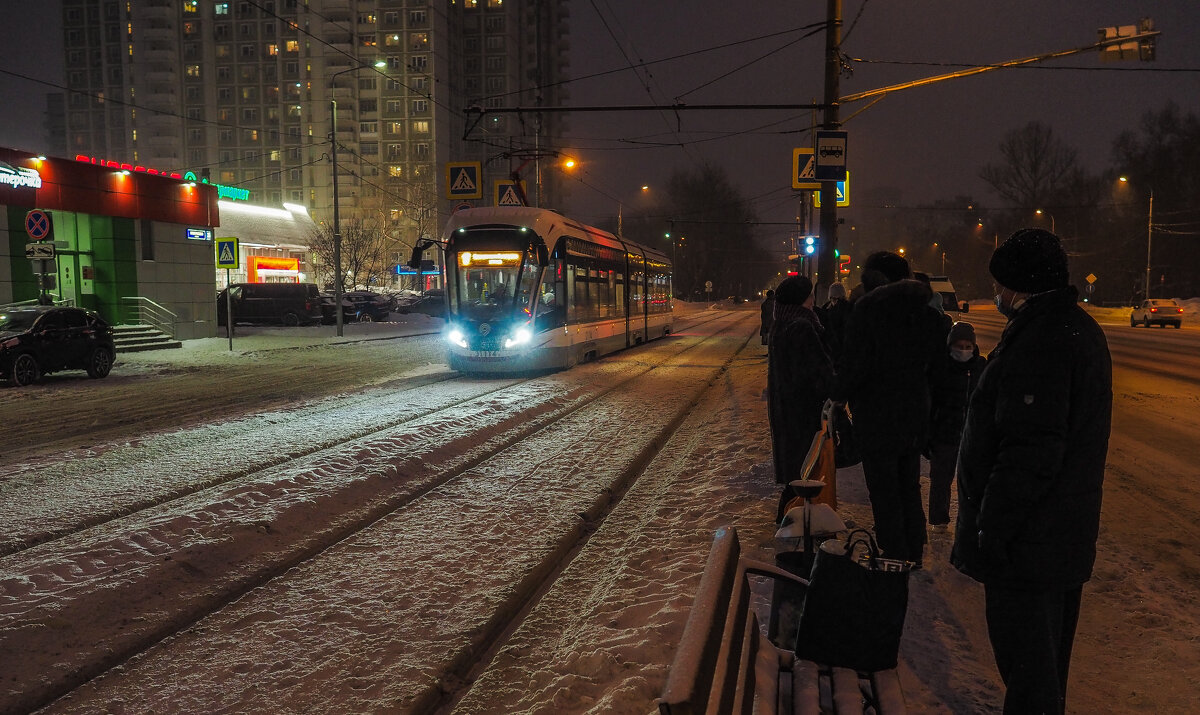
column 1031, row 470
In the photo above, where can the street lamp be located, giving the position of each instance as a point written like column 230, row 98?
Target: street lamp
column 1040, row 212
column 337, row 224
column 1149, row 234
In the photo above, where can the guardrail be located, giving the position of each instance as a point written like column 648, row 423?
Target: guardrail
column 143, row 311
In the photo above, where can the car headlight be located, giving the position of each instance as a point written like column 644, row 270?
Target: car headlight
column 456, row 337
column 520, row 337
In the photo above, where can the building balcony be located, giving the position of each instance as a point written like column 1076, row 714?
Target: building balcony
column 157, row 31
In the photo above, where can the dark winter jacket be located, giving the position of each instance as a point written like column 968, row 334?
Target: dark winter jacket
column 892, row 339
column 1031, row 465
column 799, row 377
column 834, row 315
column 766, row 313
column 951, row 384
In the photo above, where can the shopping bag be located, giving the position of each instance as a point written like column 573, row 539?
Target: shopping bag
column 819, row 466
column 845, row 448
column 854, row 607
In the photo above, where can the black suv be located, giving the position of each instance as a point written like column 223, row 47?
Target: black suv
column 37, row 340
column 272, row 303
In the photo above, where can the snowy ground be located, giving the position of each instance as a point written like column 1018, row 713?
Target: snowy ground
column 585, row 539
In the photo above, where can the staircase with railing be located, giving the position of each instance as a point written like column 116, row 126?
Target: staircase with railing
column 146, row 325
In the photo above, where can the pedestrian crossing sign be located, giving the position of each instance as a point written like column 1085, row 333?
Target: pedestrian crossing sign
column 843, row 194
column 463, row 180
column 227, row 252
column 508, row 195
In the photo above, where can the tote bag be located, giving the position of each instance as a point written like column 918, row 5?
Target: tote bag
column 854, row 607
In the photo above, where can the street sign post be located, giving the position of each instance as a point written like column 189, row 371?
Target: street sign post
column 831, row 155
column 38, row 225
column 227, row 258
column 464, row 180
column 804, row 169
column 39, row 250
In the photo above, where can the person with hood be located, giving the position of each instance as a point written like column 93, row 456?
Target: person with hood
column 1031, row 470
column 799, row 378
column 766, row 313
column 834, row 315
column 953, row 379
column 893, row 338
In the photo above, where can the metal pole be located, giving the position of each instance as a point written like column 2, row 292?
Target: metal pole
column 229, row 309
column 826, row 262
column 1149, row 237
column 337, row 226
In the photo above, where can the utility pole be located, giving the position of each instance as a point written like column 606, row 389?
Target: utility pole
column 826, row 261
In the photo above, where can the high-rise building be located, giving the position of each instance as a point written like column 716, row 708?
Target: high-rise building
column 242, row 92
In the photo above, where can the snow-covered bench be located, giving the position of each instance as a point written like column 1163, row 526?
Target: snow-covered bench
column 726, row 664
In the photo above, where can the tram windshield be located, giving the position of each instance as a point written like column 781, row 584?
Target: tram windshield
column 494, row 285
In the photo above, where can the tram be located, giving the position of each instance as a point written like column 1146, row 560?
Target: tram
column 530, row 289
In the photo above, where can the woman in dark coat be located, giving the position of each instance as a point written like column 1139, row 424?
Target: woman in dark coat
column 799, row 376
column 951, row 384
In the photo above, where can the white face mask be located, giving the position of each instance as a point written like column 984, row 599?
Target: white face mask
column 962, row 355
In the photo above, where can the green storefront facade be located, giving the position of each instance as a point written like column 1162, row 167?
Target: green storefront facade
column 124, row 237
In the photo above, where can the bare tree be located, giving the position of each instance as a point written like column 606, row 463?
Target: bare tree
column 1038, row 169
column 364, row 253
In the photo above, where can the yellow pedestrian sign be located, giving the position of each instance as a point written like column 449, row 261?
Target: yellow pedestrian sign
column 804, row 169
column 463, row 180
column 227, row 253
column 843, row 193
column 508, row 195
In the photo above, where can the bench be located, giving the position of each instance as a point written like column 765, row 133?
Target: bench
column 726, row 664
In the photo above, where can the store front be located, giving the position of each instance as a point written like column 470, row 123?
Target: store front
column 125, row 237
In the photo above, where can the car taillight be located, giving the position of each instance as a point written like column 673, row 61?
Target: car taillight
column 1154, row 310
column 1179, row 310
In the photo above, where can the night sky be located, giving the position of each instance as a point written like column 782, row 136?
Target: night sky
column 927, row 143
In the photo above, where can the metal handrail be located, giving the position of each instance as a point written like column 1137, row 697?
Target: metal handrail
column 147, row 312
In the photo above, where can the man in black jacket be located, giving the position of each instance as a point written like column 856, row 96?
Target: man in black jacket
column 892, row 338
column 1031, row 470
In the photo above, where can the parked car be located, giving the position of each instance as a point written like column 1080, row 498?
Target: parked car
column 431, row 303
column 1157, row 311
column 368, row 306
column 272, row 303
column 38, row 340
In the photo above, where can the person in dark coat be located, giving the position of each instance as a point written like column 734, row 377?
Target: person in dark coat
column 799, row 377
column 892, row 339
column 952, row 382
column 766, row 313
column 1031, row 470
column 834, row 315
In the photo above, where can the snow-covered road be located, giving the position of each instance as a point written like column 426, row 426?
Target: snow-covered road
column 415, row 542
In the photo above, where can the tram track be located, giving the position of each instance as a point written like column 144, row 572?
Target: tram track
column 187, row 568
column 187, row 478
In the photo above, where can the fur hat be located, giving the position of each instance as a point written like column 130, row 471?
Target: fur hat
column 962, row 330
column 892, row 265
column 793, row 290
column 837, row 290
column 1032, row 260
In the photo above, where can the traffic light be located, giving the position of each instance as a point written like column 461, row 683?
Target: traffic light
column 810, row 245
column 844, row 264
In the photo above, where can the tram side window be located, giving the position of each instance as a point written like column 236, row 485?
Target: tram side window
column 603, row 294
column 552, row 307
column 618, row 283
column 636, row 295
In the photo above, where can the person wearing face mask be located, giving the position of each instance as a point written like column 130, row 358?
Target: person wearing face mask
column 1031, row 470
column 951, row 384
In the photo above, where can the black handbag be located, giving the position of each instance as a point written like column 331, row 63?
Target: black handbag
column 854, row 607
column 845, row 448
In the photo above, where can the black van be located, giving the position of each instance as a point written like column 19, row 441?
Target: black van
column 272, row 303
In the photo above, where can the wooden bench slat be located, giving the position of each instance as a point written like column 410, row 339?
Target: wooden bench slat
column 886, row 684
column 806, row 688
column 847, row 698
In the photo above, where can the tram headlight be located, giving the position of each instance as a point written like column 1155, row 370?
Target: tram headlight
column 456, row 337
column 520, row 337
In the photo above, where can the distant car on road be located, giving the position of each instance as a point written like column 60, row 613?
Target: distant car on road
column 271, row 303
column 1157, row 311
column 37, row 340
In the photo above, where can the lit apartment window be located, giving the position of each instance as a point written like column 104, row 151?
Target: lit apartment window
column 391, row 40
column 222, row 51
column 227, row 177
column 221, row 8
column 192, row 70
column 292, row 46
column 272, row 49
column 366, row 19
column 420, row 126
column 394, row 127
column 495, row 3
column 250, row 135
column 418, row 41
